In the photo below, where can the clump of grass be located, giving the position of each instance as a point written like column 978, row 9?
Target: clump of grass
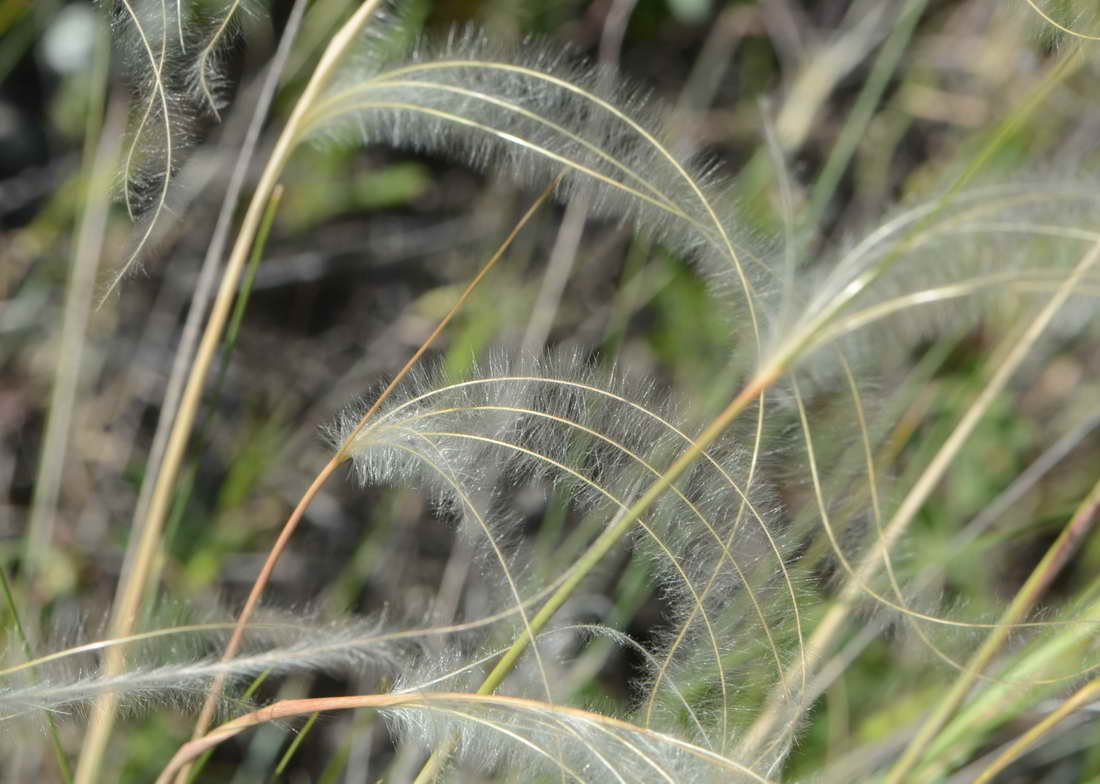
column 812, row 499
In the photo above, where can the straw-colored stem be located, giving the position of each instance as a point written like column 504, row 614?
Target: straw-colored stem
column 459, row 303
column 253, row 600
column 1041, row 577
column 134, row 582
column 818, row 333
column 1083, row 696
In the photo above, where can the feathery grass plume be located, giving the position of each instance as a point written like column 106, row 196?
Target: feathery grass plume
column 511, row 739
column 999, row 252
column 569, row 743
column 951, row 637
column 173, row 56
column 211, row 32
column 147, row 35
column 145, row 38
column 997, row 248
column 531, row 112
column 716, row 551
column 172, row 667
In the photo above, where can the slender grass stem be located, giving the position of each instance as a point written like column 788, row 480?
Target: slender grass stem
column 1041, row 577
column 292, row 749
column 253, row 600
column 133, row 584
column 258, row 586
column 855, row 126
column 1079, row 699
column 459, row 303
column 818, row 332
column 100, row 157
column 99, row 160
column 25, row 643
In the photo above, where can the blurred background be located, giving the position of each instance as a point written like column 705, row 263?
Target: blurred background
column 371, row 246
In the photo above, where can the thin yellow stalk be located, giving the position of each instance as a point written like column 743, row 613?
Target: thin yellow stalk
column 451, row 313
column 1082, row 697
column 1045, row 572
column 133, row 583
column 826, row 630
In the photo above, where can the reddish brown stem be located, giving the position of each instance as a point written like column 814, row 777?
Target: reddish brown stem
column 291, row 524
column 234, row 644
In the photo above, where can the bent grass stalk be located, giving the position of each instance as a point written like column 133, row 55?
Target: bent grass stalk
column 429, row 701
column 133, row 585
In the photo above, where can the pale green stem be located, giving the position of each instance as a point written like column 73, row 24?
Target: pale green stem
column 99, row 160
column 607, row 540
column 855, row 127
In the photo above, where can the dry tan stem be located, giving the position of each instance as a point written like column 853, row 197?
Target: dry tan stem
column 134, row 582
column 1082, row 697
column 1040, row 579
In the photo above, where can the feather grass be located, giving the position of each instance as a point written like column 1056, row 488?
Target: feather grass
column 726, row 682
